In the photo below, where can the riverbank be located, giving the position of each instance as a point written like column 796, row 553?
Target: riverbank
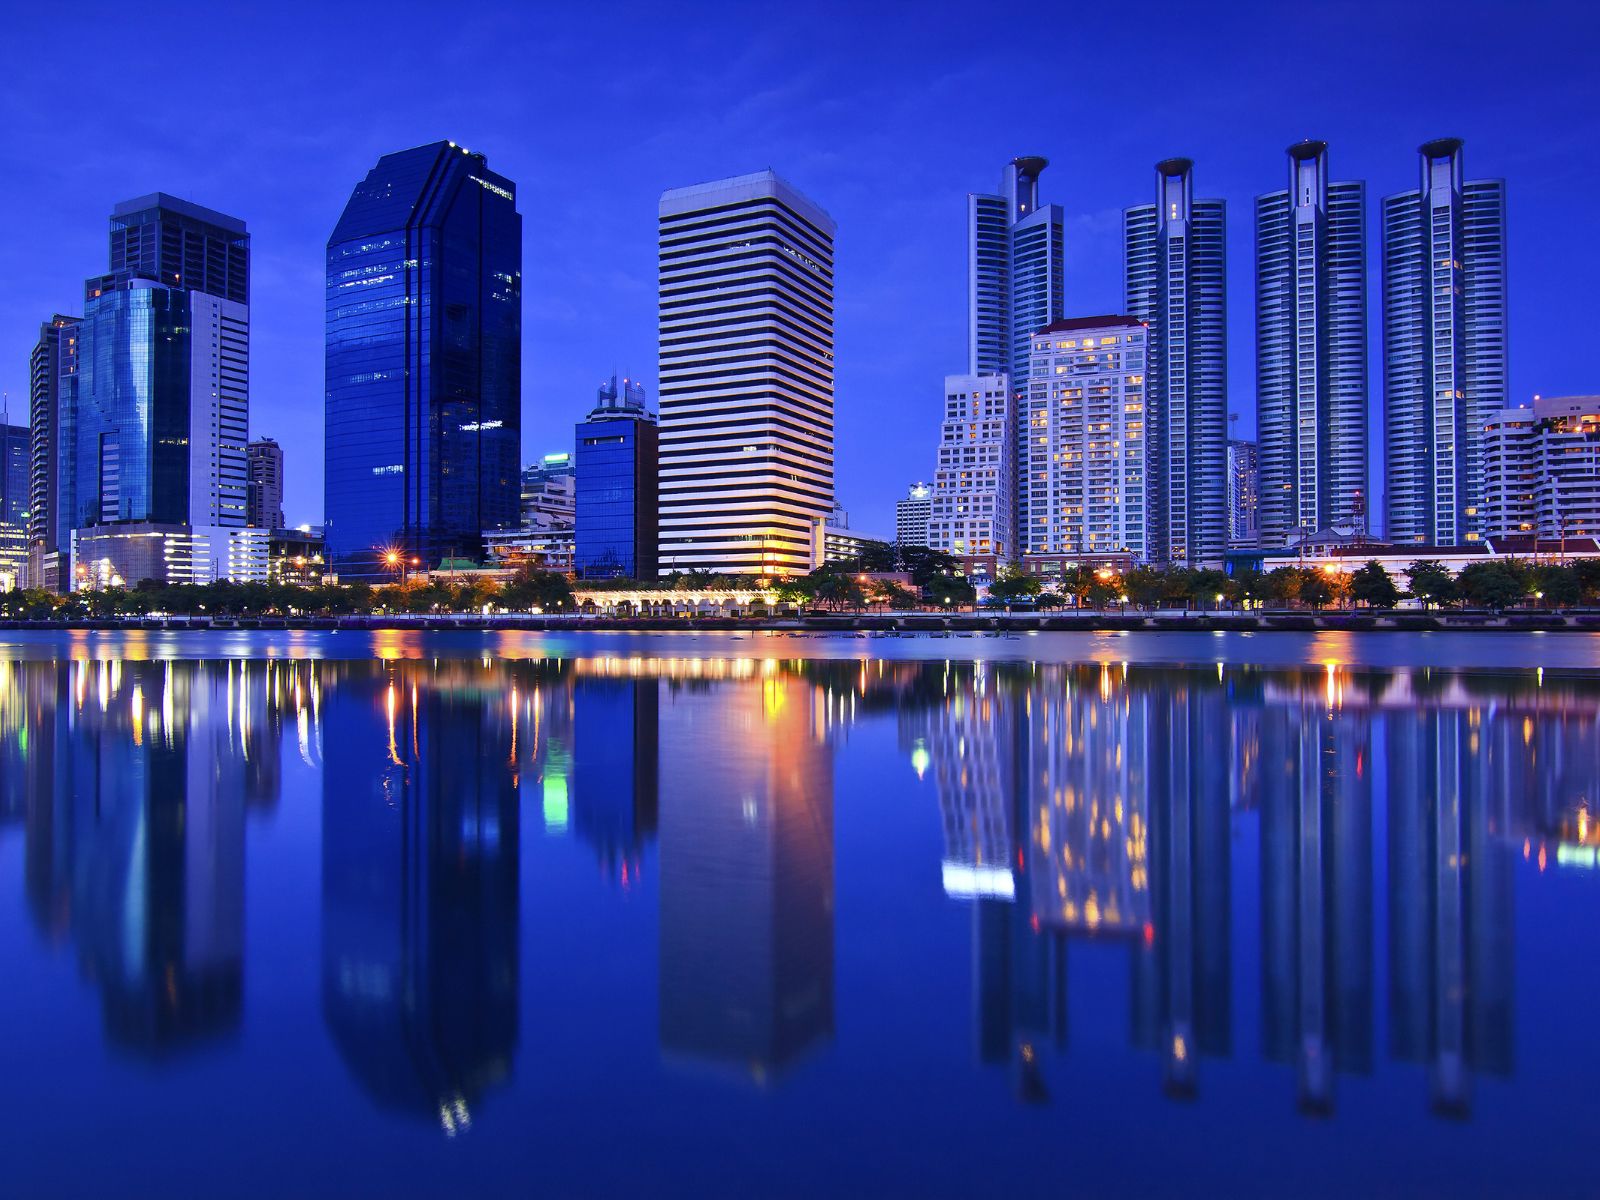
column 886, row 624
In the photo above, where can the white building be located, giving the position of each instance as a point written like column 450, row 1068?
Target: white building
column 1542, row 469
column 124, row 555
column 974, row 487
column 746, row 368
column 1085, row 438
column 911, row 516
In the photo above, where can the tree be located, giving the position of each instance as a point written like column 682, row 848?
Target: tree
column 1144, row 586
column 1556, row 585
column 1372, row 586
column 877, row 556
column 1587, row 573
column 1013, row 584
column 1494, row 584
column 835, row 589
column 532, row 588
column 1317, row 588
column 891, row 594
column 924, row 565
column 1285, row 584
column 1210, row 587
column 1248, row 585
column 1431, row 582
column 948, row 591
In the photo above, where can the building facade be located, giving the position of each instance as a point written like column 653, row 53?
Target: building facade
column 128, row 553
column 549, row 492
column 1311, row 350
column 265, row 460
column 1444, row 346
column 1243, row 485
column 1084, row 438
column 1542, row 469
column 424, row 361
column 52, row 381
column 1016, row 250
column 911, row 516
column 972, row 511
column 617, row 511
column 1176, row 282
column 154, row 429
column 746, row 369
column 14, row 454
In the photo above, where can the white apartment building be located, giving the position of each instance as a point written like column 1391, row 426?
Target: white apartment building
column 1085, row 439
column 1542, row 469
column 974, row 485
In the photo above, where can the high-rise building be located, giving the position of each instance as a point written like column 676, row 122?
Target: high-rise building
column 1015, row 273
column 424, row 361
column 1174, row 263
column 1085, row 439
column 911, row 516
column 1311, row 350
column 1015, row 248
column 972, row 510
column 617, row 511
column 1243, row 490
column 266, row 484
column 1542, row 469
column 1444, row 346
column 155, row 429
column 746, row 367
column 13, row 501
column 52, row 380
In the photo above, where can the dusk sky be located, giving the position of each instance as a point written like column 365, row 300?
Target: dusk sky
column 886, row 115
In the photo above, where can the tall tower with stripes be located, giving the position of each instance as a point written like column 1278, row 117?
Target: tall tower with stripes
column 746, row 376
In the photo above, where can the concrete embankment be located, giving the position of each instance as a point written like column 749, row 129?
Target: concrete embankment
column 889, row 623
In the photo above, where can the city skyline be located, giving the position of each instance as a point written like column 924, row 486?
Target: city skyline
column 901, row 248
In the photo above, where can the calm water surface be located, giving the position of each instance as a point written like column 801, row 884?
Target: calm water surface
column 446, row 915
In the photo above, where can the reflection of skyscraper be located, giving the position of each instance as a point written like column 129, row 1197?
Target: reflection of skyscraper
column 1181, row 974
column 419, row 885
column 1450, row 901
column 977, row 742
column 746, row 875
column 1316, row 893
column 615, row 768
column 135, row 824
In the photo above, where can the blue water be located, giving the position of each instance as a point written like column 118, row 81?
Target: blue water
column 516, row 914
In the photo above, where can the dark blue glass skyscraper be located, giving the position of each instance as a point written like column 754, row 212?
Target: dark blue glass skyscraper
column 424, row 374
column 615, row 528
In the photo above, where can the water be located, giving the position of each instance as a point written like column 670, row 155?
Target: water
column 300, row 914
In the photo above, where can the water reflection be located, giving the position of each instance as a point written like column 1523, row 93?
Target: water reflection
column 746, row 972
column 133, row 790
column 420, row 851
column 1371, row 822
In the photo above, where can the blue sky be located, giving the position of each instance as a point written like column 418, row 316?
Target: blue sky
column 887, row 115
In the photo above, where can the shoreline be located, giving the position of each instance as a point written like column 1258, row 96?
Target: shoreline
column 889, row 624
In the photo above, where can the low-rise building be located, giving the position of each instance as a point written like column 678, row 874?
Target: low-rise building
column 105, row 556
column 296, row 556
column 546, row 549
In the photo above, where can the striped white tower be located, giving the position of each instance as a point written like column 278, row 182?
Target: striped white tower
column 746, row 371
